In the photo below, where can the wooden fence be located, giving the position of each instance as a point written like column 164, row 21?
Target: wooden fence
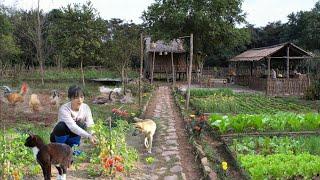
column 276, row 87
column 285, row 87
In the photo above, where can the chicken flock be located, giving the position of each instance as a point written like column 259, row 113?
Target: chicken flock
column 14, row 97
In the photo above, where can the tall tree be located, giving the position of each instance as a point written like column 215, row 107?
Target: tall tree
column 28, row 26
column 39, row 43
column 9, row 50
column 81, row 30
column 212, row 22
column 122, row 46
column 304, row 28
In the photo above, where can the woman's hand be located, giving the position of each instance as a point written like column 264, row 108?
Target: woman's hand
column 93, row 140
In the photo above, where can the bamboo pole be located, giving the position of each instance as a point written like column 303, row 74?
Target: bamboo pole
column 269, row 67
column 141, row 66
column 276, row 57
column 173, row 75
column 190, row 71
column 268, row 78
column 279, row 133
column 288, row 67
column 152, row 70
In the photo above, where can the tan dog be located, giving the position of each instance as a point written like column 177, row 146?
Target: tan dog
column 148, row 128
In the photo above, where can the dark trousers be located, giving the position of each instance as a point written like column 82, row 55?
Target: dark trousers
column 62, row 134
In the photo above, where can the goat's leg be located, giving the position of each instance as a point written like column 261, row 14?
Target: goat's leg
column 59, row 177
column 46, row 170
column 64, row 175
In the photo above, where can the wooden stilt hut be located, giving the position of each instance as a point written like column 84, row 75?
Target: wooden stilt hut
column 278, row 70
column 165, row 60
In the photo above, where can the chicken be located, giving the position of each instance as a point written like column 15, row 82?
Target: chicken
column 117, row 90
column 108, row 91
column 15, row 97
column 105, row 90
column 55, row 98
column 34, row 103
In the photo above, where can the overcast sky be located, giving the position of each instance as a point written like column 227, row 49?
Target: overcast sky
column 259, row 12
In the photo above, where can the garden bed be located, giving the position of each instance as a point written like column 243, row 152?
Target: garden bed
column 267, row 137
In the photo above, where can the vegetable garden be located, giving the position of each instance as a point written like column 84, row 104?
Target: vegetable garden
column 268, row 137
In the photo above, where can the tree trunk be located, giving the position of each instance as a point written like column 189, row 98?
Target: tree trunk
column 82, row 73
column 141, row 66
column 39, row 44
column 190, row 72
column 122, row 77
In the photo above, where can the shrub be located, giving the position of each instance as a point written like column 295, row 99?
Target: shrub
column 313, row 92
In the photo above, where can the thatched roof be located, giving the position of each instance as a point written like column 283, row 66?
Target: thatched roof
column 258, row 54
column 175, row 46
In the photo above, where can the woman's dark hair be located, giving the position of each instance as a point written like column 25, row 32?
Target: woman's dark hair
column 75, row 91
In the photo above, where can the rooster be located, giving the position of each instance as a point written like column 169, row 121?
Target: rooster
column 34, row 103
column 15, row 97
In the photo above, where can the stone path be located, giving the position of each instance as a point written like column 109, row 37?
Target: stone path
column 167, row 142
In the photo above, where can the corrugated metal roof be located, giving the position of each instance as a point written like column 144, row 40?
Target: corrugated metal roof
column 175, row 46
column 260, row 53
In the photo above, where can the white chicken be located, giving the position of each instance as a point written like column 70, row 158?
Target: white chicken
column 105, row 90
column 34, row 103
column 55, row 99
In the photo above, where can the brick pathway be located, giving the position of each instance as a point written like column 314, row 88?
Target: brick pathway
column 165, row 149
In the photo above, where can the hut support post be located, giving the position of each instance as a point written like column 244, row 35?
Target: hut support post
column 288, row 67
column 268, row 67
column 173, row 72
column 152, row 70
column 251, row 68
column 190, row 71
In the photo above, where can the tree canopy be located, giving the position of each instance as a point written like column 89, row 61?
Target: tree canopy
column 76, row 33
column 213, row 23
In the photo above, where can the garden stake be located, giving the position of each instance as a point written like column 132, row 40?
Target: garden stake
column 110, row 154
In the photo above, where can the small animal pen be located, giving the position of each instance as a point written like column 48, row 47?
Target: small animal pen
column 278, row 70
column 165, row 60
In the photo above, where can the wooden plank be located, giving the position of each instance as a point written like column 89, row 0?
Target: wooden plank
column 281, row 133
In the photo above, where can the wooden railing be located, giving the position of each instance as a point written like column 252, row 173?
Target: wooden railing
column 276, row 87
column 284, row 87
column 257, row 83
column 242, row 80
column 164, row 68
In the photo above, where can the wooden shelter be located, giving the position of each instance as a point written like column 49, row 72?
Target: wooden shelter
column 279, row 70
column 165, row 60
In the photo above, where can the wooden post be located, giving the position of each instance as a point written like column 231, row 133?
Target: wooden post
column 173, row 75
column 268, row 67
column 190, row 71
column 152, row 68
column 141, row 66
column 251, row 67
column 288, row 67
column 268, row 78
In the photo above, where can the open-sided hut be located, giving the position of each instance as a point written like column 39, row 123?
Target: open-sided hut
column 279, row 70
column 160, row 57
